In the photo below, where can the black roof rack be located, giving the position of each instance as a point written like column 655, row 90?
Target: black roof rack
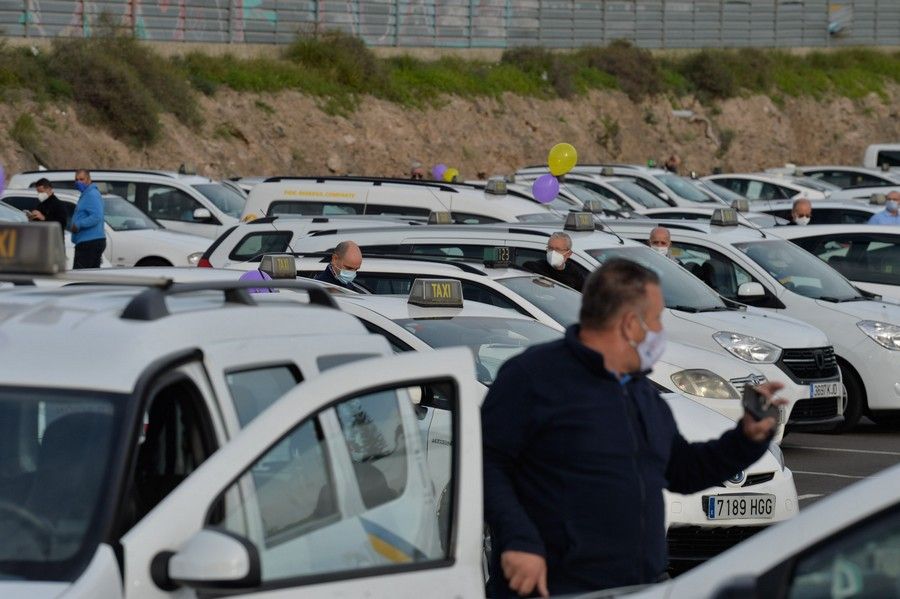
column 376, row 181
column 150, row 304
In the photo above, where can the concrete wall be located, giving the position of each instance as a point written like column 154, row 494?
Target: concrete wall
column 472, row 24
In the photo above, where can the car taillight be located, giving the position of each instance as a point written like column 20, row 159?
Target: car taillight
column 204, row 263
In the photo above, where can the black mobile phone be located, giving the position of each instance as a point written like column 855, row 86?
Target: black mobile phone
column 757, row 405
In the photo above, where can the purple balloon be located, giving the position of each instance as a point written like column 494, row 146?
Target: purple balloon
column 2, row 179
column 545, row 188
column 438, row 171
column 256, row 275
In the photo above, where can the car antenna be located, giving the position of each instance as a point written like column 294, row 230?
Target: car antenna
column 604, row 225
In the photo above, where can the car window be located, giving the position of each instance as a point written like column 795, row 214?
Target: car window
column 647, row 199
column 738, row 186
column 712, row 267
column 562, row 303
column 754, row 191
column 22, row 202
column 169, row 203
column 254, row 390
column 464, row 218
column 400, row 284
column 254, row 245
column 859, row 257
column 351, row 489
column 859, row 562
column 224, row 198
column 685, row 189
column 123, row 189
column 124, row 216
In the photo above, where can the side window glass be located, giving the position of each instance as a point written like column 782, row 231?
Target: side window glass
column 783, row 193
column 713, row 268
column 123, row 189
column 169, row 203
column 754, row 190
column 254, row 245
column 860, row 562
column 463, row 218
column 769, row 192
column 352, row 488
column 385, row 284
column 21, row 202
column 255, row 390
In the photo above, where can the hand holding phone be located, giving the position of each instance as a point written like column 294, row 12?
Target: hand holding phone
column 757, row 405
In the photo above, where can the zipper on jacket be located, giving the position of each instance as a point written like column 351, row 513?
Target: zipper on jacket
column 632, row 424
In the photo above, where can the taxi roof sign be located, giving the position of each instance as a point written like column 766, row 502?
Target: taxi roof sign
column 579, row 221
column 878, row 199
column 741, row 205
column 724, row 217
column 436, row 293
column 436, row 217
column 496, row 186
column 593, row 205
column 31, row 248
column 279, row 266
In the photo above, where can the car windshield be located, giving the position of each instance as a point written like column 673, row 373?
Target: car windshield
column 122, row 215
column 816, row 184
column 225, row 199
column 687, row 190
column 681, row 290
column 492, row 340
column 11, row 215
column 799, row 271
column 560, row 302
column 639, row 194
column 723, row 193
column 585, row 194
column 56, row 450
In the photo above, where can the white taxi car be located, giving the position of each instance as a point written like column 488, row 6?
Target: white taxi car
column 132, row 237
column 695, row 314
column 868, row 255
column 763, row 187
column 760, row 269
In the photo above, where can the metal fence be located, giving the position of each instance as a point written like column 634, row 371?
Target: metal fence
column 473, row 23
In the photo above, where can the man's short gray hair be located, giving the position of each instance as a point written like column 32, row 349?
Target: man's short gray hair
column 341, row 249
column 564, row 237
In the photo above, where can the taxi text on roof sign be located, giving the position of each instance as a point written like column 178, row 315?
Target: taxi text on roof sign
column 579, row 221
column 436, row 293
column 278, row 266
column 31, row 248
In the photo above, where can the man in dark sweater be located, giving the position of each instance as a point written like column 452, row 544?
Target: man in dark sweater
column 578, row 447
column 557, row 265
column 345, row 261
column 50, row 208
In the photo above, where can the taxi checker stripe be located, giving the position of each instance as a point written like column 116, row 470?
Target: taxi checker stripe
column 390, row 545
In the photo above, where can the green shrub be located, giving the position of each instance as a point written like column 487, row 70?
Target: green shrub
column 635, row 69
column 710, row 74
column 25, row 133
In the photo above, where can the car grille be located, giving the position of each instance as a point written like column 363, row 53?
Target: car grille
column 740, row 383
column 700, row 543
column 753, row 479
column 817, row 408
column 809, row 364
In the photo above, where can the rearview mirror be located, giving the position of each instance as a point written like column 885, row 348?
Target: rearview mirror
column 202, row 214
column 213, row 559
column 751, row 290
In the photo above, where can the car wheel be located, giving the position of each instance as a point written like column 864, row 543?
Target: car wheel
column 153, row 262
column 856, row 397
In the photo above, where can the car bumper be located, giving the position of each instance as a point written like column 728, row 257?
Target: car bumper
column 879, row 374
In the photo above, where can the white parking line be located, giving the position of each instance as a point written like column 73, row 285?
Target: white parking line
column 809, row 496
column 870, row 451
column 827, row 474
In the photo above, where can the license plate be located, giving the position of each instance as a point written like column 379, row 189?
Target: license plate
column 782, row 415
column 825, row 389
column 741, row 507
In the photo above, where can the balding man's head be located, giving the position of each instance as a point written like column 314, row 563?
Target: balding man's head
column 660, row 240
column 346, row 256
column 801, row 212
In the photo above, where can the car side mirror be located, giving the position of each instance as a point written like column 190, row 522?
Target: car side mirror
column 751, row 290
column 211, row 560
column 202, row 214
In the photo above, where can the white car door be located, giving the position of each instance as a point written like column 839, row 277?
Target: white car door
column 328, row 492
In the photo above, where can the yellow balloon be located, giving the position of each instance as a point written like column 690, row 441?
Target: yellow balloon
column 451, row 175
column 562, row 159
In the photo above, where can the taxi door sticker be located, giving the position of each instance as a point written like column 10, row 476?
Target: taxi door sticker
column 390, row 546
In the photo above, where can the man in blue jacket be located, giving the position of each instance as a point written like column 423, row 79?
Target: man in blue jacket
column 88, row 233
column 578, row 447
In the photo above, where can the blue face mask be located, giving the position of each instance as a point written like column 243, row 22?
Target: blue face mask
column 81, row 186
column 346, row 276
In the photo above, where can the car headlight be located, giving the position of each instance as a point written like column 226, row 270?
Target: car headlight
column 704, row 383
column 749, row 349
column 884, row 334
column 194, row 258
column 776, row 452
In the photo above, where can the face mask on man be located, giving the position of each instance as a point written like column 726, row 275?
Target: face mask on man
column 346, row 276
column 555, row 259
column 43, row 195
column 660, row 249
column 651, row 349
column 802, row 220
column 81, row 186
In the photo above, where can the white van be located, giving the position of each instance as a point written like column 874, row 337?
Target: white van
column 333, row 196
column 879, row 155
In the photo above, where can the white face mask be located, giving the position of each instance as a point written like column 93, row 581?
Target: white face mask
column 802, row 220
column 651, row 349
column 555, row 259
column 43, row 196
column 660, row 249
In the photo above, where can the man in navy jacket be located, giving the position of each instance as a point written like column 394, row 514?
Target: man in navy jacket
column 578, row 447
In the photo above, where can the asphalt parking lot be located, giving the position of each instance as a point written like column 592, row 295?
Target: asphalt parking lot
column 825, row 463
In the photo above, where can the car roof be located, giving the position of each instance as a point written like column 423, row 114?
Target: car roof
column 397, row 307
column 693, row 228
column 817, row 204
column 42, row 326
column 812, row 230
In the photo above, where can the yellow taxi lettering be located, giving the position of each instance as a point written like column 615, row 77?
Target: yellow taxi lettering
column 8, row 244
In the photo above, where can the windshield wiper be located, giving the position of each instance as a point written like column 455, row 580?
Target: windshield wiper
column 690, row 309
column 841, row 300
column 715, row 309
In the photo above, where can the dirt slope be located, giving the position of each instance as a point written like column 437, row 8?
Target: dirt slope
column 286, row 133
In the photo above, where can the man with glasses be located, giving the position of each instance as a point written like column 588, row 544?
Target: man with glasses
column 557, row 265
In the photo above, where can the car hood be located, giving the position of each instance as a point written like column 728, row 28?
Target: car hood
column 866, row 310
column 780, row 330
column 189, row 243
column 33, row 589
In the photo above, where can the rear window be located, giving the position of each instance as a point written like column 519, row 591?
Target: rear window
column 254, row 245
